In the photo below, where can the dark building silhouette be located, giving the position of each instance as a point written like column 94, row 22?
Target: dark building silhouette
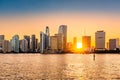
column 33, row 41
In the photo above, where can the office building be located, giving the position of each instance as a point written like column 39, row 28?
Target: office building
column 1, row 39
column 15, row 44
column 59, row 41
column 63, row 31
column 42, row 42
column 100, row 40
column 36, row 44
column 54, row 43
column 23, row 45
column 6, row 46
column 33, row 41
column 113, row 44
column 86, row 43
column 28, row 40
column 47, row 38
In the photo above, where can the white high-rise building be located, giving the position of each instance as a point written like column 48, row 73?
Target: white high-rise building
column 113, row 44
column 100, row 40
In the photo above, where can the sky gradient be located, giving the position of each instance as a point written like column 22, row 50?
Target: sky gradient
column 32, row 16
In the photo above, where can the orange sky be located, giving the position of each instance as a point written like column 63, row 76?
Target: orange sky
column 76, row 22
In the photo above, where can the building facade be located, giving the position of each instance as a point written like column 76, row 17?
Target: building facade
column 100, row 40
column 86, row 43
column 63, row 31
column 60, row 44
column 15, row 44
column 6, row 46
column 54, row 42
column 33, row 41
column 23, row 45
column 28, row 40
column 1, row 39
column 42, row 42
column 113, row 44
column 47, row 38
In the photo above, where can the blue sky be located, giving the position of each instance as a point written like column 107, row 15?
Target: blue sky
column 44, row 6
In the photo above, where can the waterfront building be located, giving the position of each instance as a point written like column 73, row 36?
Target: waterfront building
column 42, row 42
column 86, row 43
column 1, row 39
column 33, row 41
column 113, row 44
column 54, row 44
column 28, row 40
column 63, row 31
column 6, row 46
column 15, row 43
column 47, row 38
column 24, row 45
column 36, row 45
column 100, row 40
column 59, row 42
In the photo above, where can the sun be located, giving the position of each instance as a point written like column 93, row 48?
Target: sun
column 79, row 45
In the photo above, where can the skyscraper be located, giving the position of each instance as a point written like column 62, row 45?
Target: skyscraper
column 28, row 40
column 42, row 42
column 47, row 31
column 63, row 30
column 86, row 43
column 113, row 44
column 23, row 45
column 47, row 38
column 5, row 46
column 36, row 44
column 1, row 39
column 15, row 43
column 59, row 42
column 100, row 40
column 33, row 40
column 54, row 43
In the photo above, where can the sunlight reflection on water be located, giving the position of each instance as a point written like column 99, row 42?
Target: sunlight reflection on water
column 59, row 66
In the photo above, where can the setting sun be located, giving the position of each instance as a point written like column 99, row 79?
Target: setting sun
column 79, row 45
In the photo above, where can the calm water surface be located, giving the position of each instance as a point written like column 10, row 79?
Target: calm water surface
column 59, row 67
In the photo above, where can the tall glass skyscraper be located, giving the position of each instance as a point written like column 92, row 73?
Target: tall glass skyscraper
column 47, row 38
column 15, row 43
column 63, row 31
column 42, row 42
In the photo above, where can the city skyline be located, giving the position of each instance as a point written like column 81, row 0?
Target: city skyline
column 84, row 19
